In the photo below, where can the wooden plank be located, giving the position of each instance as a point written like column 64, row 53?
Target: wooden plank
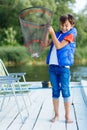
column 46, row 114
column 84, row 90
column 60, row 124
column 34, row 111
column 43, row 121
column 41, row 111
column 80, row 109
column 16, row 124
column 72, row 126
column 8, row 115
column 81, row 116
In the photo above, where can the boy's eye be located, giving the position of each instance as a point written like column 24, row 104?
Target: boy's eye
column 66, row 25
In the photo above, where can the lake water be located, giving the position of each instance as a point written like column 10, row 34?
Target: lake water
column 40, row 73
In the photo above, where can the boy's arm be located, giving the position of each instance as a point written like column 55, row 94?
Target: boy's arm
column 57, row 43
column 47, row 41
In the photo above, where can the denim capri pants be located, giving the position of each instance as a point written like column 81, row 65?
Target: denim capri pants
column 60, row 78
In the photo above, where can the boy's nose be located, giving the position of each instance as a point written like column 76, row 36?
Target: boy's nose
column 64, row 27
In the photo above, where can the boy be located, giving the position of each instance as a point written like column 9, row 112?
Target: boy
column 60, row 58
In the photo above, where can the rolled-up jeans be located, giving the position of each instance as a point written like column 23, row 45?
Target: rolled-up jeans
column 60, row 78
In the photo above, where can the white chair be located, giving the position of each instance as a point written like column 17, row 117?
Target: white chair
column 5, row 82
column 4, row 72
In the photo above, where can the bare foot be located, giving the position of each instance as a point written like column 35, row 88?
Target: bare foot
column 54, row 119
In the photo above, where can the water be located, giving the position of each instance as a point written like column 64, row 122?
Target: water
column 33, row 73
column 40, row 73
column 78, row 73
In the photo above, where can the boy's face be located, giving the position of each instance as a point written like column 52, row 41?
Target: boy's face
column 66, row 26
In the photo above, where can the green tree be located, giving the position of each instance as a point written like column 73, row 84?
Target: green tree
column 82, row 29
column 9, row 11
column 10, row 37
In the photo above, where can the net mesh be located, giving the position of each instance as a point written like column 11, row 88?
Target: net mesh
column 34, row 24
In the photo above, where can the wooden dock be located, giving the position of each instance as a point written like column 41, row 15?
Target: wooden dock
column 41, row 110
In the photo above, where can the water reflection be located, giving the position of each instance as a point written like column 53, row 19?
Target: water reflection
column 33, row 73
column 40, row 73
column 78, row 73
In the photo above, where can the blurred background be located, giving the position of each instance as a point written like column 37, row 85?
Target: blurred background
column 15, row 55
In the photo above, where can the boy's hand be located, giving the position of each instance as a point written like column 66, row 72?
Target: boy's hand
column 51, row 30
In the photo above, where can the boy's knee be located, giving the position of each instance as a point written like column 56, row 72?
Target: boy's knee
column 56, row 94
column 66, row 93
column 67, row 99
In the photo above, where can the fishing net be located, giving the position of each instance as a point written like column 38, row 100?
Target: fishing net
column 34, row 23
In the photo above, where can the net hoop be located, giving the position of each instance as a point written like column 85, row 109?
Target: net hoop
column 26, row 11
column 35, row 22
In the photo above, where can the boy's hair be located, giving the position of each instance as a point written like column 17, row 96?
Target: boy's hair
column 68, row 17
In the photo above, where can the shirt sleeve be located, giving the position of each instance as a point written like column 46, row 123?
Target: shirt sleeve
column 69, row 38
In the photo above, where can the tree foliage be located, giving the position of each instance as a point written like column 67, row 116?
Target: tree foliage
column 9, row 11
